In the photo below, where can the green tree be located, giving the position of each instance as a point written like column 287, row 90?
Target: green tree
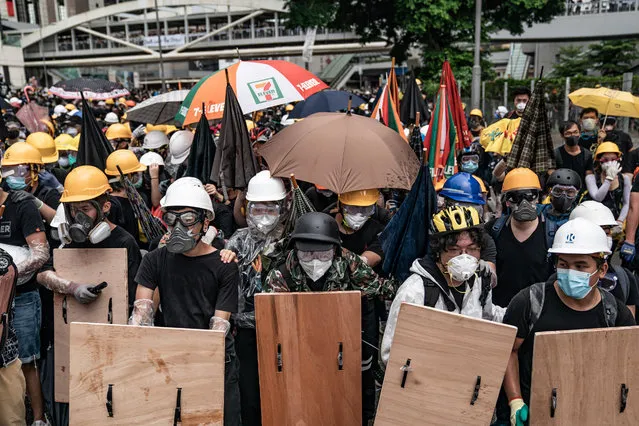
column 572, row 61
column 613, row 57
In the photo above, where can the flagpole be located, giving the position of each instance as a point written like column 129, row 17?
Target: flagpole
column 476, row 84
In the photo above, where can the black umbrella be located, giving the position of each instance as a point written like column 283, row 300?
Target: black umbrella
column 417, row 141
column 412, row 104
column 235, row 163
column 91, row 88
column 94, row 147
column 300, row 206
column 325, row 101
column 202, row 152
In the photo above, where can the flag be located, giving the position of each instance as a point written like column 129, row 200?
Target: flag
column 386, row 112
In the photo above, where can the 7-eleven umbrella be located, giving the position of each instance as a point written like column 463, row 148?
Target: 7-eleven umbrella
column 257, row 85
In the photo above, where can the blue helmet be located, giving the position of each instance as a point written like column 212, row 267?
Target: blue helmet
column 463, row 187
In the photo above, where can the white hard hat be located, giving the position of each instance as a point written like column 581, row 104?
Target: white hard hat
column 59, row 110
column 580, row 236
column 155, row 139
column 263, row 187
column 15, row 101
column 595, row 212
column 152, row 158
column 180, row 146
column 60, row 216
column 111, row 118
column 187, row 192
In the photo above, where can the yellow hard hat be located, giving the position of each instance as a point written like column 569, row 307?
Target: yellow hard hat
column 76, row 141
column 477, row 112
column 152, row 127
column 463, row 105
column 481, row 184
column 250, row 125
column 49, row 126
column 66, row 142
column 521, row 178
column 44, row 143
column 21, row 153
column 289, row 108
column 127, row 161
column 118, row 131
column 607, row 148
column 170, row 129
column 84, row 183
column 122, row 101
column 455, row 219
column 70, row 107
column 109, row 102
column 364, row 197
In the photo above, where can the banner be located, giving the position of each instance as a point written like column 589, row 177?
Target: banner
column 309, row 41
column 172, row 40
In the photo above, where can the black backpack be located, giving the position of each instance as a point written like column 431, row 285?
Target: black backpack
column 432, row 293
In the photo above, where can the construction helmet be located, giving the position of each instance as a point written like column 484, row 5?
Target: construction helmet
column 59, row 110
column 76, row 141
column 607, row 148
column 126, row 160
column 565, row 177
column 109, row 102
column 47, row 126
column 152, row 127
column 155, row 139
column 130, row 103
column 187, row 192
column 118, row 131
column 289, row 107
column 263, row 187
column 520, row 178
column 462, row 187
column 122, row 101
column 362, row 198
column 455, row 219
column 69, row 107
column 152, row 158
column 477, row 112
column 481, row 184
column 65, row 142
column 21, row 153
column 111, row 118
column 595, row 212
column 84, row 183
column 580, row 236
column 180, row 146
column 44, row 143
column 315, row 231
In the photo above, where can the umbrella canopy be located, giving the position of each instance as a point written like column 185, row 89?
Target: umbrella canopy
column 32, row 116
column 417, row 143
column 412, row 103
column 160, row 109
column 92, row 88
column 257, row 84
column 342, row 152
column 533, row 147
column 607, row 101
column 499, row 136
column 202, row 152
column 405, row 238
column 325, row 101
column 235, row 163
column 94, row 148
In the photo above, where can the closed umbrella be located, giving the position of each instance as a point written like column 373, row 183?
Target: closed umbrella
column 91, row 88
column 412, row 103
column 202, row 152
column 300, row 205
column 342, row 152
column 94, row 148
column 325, row 101
column 33, row 116
column 160, row 109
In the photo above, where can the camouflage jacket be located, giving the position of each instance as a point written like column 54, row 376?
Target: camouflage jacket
column 348, row 272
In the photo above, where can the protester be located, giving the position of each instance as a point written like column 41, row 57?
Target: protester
column 618, row 136
column 156, row 141
column 628, row 250
column 321, row 198
column 564, row 186
column 571, row 155
column 591, row 135
column 179, row 149
column 67, row 147
column 521, row 96
column 119, row 135
column 153, row 175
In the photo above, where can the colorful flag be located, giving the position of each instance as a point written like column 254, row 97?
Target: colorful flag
column 386, row 112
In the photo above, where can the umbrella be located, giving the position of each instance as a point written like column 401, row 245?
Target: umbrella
column 342, row 152
column 32, row 115
column 417, row 141
column 160, row 109
column 235, row 162
column 299, row 206
column 405, row 238
column 94, row 148
column 412, row 103
column 607, row 101
column 202, row 152
column 257, row 84
column 150, row 225
column 499, row 136
column 533, row 147
column 386, row 107
column 92, row 88
column 325, row 101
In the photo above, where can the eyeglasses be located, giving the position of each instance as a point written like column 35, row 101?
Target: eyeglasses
column 263, row 209
column 363, row 210
column 517, row 197
column 187, row 218
column 456, row 251
column 563, row 190
column 307, row 256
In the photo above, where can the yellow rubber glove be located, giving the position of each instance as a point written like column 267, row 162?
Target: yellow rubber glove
column 518, row 412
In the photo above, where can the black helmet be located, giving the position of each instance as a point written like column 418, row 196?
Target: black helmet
column 315, row 232
column 567, row 177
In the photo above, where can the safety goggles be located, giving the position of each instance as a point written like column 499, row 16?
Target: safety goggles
column 307, row 256
column 470, row 157
column 567, row 191
column 363, row 210
column 21, row 170
column 263, row 209
column 517, row 197
column 187, row 218
column 608, row 282
column 608, row 160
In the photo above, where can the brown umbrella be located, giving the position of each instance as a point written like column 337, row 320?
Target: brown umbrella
column 343, row 153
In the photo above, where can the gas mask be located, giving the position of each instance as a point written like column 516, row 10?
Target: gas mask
column 181, row 239
column 84, row 228
column 561, row 204
column 525, row 211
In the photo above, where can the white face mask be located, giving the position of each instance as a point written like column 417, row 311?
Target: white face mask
column 263, row 223
column 462, row 267
column 355, row 221
column 589, row 124
column 315, row 269
column 521, row 106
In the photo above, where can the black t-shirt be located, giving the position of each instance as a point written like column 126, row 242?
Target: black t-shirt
column 122, row 215
column 519, row 264
column 488, row 248
column 631, row 161
column 224, row 220
column 191, row 288
column 319, row 201
column 365, row 239
column 555, row 316
column 580, row 163
column 48, row 196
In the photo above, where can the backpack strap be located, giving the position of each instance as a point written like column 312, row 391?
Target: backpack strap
column 432, row 293
column 537, row 294
column 498, row 225
column 610, row 307
column 559, row 162
column 623, row 280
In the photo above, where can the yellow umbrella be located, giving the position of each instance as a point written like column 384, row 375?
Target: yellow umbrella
column 607, row 101
column 499, row 136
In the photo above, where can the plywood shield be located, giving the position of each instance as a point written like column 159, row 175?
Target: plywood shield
column 148, row 370
column 309, row 353
column 87, row 266
column 590, row 371
column 450, row 355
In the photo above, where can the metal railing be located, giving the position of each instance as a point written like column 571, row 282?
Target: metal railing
column 587, row 7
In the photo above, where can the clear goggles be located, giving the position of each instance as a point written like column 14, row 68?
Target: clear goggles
column 263, row 209
column 363, row 210
column 567, row 191
column 323, row 256
column 21, row 170
column 470, row 157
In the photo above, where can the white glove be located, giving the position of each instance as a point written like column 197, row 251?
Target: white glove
column 612, row 169
column 220, row 324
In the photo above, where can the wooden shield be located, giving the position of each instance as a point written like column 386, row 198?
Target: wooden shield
column 8, row 280
column 590, row 371
column 450, row 356
column 310, row 358
column 145, row 373
column 87, row 266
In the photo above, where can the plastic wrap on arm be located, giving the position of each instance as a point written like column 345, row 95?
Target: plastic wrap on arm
column 38, row 255
column 142, row 313
column 54, row 282
column 244, row 319
column 220, row 324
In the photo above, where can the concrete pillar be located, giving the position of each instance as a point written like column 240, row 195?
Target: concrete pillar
column 228, row 21
column 252, row 27
column 627, row 87
column 277, row 25
column 506, row 94
column 73, row 39
column 566, row 100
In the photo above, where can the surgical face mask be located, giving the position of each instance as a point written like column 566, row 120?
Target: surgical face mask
column 262, row 223
column 72, row 159
column 137, row 180
column 315, row 269
column 64, row 162
column 181, row 239
column 525, row 211
column 462, row 267
column 575, row 284
column 572, row 141
column 17, row 183
column 521, row 106
column 589, row 124
column 562, row 204
column 71, row 131
column 355, row 221
column 469, row 166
